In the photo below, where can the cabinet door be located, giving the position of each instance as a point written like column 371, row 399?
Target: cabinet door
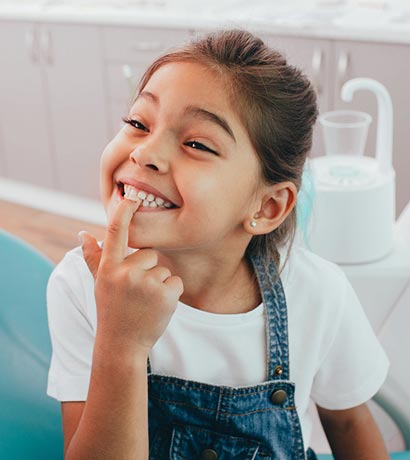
column 2, row 154
column 135, row 47
column 77, row 101
column 314, row 58
column 24, row 118
column 390, row 65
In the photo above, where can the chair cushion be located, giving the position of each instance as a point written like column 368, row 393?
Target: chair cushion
column 30, row 421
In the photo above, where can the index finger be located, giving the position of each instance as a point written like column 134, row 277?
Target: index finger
column 116, row 236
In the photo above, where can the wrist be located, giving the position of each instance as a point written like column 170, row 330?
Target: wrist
column 118, row 351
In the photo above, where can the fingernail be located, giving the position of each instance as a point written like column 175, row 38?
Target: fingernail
column 81, row 236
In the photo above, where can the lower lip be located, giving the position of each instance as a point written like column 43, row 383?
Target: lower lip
column 120, row 197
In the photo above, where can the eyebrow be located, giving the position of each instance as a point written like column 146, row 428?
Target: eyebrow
column 197, row 112
column 148, row 95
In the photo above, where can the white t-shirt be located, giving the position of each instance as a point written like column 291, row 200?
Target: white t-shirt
column 334, row 355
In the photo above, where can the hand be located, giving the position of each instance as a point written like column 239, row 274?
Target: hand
column 135, row 297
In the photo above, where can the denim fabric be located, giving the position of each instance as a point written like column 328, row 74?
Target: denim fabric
column 244, row 423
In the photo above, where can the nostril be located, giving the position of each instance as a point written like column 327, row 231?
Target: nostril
column 151, row 166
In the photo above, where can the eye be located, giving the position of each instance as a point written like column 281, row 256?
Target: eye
column 198, row 146
column 135, row 123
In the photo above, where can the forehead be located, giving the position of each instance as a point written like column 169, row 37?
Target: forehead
column 190, row 83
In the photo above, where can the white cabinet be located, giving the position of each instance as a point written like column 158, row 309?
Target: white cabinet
column 52, row 117
column 77, row 104
column 135, row 47
column 2, row 157
column 24, row 117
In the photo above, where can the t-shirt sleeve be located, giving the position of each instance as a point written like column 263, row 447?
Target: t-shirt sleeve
column 71, row 331
column 355, row 365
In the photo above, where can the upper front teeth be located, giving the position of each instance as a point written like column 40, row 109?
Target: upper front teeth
column 149, row 200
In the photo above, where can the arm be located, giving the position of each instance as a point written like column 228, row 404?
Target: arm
column 113, row 423
column 353, row 434
column 135, row 299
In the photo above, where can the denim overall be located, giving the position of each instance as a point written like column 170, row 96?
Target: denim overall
column 190, row 420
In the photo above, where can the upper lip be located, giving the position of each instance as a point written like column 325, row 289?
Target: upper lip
column 143, row 186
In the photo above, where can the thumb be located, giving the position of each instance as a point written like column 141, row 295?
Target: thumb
column 91, row 251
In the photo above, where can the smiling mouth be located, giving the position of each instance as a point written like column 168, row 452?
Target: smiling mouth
column 149, row 200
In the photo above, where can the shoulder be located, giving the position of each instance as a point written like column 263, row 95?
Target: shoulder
column 334, row 352
column 312, row 273
column 71, row 285
column 72, row 319
column 318, row 294
column 70, row 271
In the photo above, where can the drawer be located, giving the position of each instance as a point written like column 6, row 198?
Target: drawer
column 130, row 44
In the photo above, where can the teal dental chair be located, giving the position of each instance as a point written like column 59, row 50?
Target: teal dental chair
column 30, row 421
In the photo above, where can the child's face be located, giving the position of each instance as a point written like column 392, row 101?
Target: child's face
column 179, row 147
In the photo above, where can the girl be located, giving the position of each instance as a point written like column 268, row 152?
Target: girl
column 198, row 330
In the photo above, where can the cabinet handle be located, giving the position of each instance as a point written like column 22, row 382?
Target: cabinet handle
column 32, row 45
column 128, row 75
column 45, row 41
column 342, row 67
column 317, row 59
column 147, row 46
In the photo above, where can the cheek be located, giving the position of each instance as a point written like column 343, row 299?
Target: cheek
column 199, row 189
column 112, row 156
column 220, row 195
column 108, row 158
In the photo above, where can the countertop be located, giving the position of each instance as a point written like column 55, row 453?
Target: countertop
column 371, row 20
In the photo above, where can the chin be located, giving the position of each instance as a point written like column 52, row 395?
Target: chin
column 133, row 245
column 138, row 244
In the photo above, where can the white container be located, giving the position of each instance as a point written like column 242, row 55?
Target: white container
column 353, row 211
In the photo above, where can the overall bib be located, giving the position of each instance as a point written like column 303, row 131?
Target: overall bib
column 190, row 420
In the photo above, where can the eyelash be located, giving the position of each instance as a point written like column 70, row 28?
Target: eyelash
column 200, row 147
column 137, row 125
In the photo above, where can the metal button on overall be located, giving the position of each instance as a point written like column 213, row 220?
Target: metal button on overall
column 278, row 396
column 209, row 454
column 278, row 370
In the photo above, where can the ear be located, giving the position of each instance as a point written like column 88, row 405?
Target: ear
column 275, row 205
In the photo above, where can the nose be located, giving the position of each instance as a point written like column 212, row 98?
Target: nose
column 151, row 155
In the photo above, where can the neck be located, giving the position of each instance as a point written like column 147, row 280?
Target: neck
column 216, row 283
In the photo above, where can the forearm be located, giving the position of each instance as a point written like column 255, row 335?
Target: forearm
column 354, row 437
column 114, row 423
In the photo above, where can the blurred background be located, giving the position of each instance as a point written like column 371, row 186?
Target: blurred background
column 68, row 68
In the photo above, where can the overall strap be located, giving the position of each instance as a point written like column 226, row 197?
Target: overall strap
column 276, row 316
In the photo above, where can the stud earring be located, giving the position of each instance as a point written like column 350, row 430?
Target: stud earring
column 253, row 223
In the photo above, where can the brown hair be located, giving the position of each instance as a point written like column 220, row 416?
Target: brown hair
column 275, row 102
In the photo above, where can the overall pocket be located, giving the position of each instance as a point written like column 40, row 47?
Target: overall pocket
column 189, row 442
